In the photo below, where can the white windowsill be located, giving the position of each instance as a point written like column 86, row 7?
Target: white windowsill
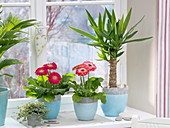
column 66, row 106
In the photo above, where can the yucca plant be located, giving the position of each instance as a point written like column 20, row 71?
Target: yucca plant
column 110, row 36
column 11, row 33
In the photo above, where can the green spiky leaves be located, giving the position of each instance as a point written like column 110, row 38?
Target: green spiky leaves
column 110, row 33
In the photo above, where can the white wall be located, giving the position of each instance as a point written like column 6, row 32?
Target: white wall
column 141, row 57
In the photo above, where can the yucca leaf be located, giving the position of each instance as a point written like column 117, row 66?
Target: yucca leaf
column 132, row 28
column 116, row 31
column 84, row 33
column 100, row 23
column 104, row 54
column 121, row 25
column 113, row 19
column 95, row 45
column 127, row 20
column 137, row 40
column 101, row 33
column 109, row 15
column 90, row 18
column 119, row 54
column 109, row 27
column 131, row 35
column 104, row 21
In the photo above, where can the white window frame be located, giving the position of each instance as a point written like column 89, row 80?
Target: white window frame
column 38, row 11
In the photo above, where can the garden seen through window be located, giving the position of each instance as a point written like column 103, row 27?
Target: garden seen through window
column 64, row 46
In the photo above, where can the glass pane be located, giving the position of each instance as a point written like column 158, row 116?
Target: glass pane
column 68, row 48
column 59, row 0
column 12, row 1
column 73, row 0
column 20, row 52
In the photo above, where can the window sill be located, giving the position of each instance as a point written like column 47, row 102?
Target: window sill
column 74, row 123
column 66, row 104
column 67, row 107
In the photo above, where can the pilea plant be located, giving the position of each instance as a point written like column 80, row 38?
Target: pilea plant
column 32, row 109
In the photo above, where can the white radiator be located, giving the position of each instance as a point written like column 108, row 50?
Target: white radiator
column 151, row 123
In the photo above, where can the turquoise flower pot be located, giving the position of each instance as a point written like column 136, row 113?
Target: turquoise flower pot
column 53, row 107
column 116, row 101
column 4, row 93
column 86, row 109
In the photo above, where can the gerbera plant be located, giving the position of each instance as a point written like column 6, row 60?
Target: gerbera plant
column 48, row 83
column 88, row 85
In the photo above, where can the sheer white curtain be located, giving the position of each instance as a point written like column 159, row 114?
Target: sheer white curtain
column 163, row 77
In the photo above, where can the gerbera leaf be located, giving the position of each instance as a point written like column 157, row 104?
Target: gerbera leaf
column 76, row 98
column 49, row 98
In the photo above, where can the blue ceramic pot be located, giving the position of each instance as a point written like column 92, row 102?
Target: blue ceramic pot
column 116, row 101
column 4, row 93
column 53, row 107
column 86, row 109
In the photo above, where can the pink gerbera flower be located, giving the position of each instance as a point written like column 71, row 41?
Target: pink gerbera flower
column 78, row 66
column 54, row 78
column 82, row 71
column 50, row 66
column 41, row 71
column 90, row 65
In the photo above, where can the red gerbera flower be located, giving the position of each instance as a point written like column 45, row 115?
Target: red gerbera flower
column 78, row 66
column 54, row 78
column 50, row 66
column 82, row 71
column 41, row 71
column 90, row 65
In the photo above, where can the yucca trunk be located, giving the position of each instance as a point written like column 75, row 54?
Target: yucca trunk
column 113, row 73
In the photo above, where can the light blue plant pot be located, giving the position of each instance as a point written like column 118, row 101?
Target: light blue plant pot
column 4, row 93
column 53, row 107
column 116, row 101
column 86, row 109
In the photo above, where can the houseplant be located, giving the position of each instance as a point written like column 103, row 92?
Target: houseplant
column 32, row 112
column 111, row 35
column 11, row 33
column 48, row 87
column 85, row 96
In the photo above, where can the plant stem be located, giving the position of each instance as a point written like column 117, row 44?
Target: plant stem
column 81, row 80
column 113, row 74
column 44, row 81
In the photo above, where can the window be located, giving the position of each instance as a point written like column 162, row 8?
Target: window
column 60, row 44
column 20, row 51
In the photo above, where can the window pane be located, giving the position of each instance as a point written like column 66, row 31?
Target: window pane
column 68, row 48
column 20, row 52
column 73, row 0
column 12, row 1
